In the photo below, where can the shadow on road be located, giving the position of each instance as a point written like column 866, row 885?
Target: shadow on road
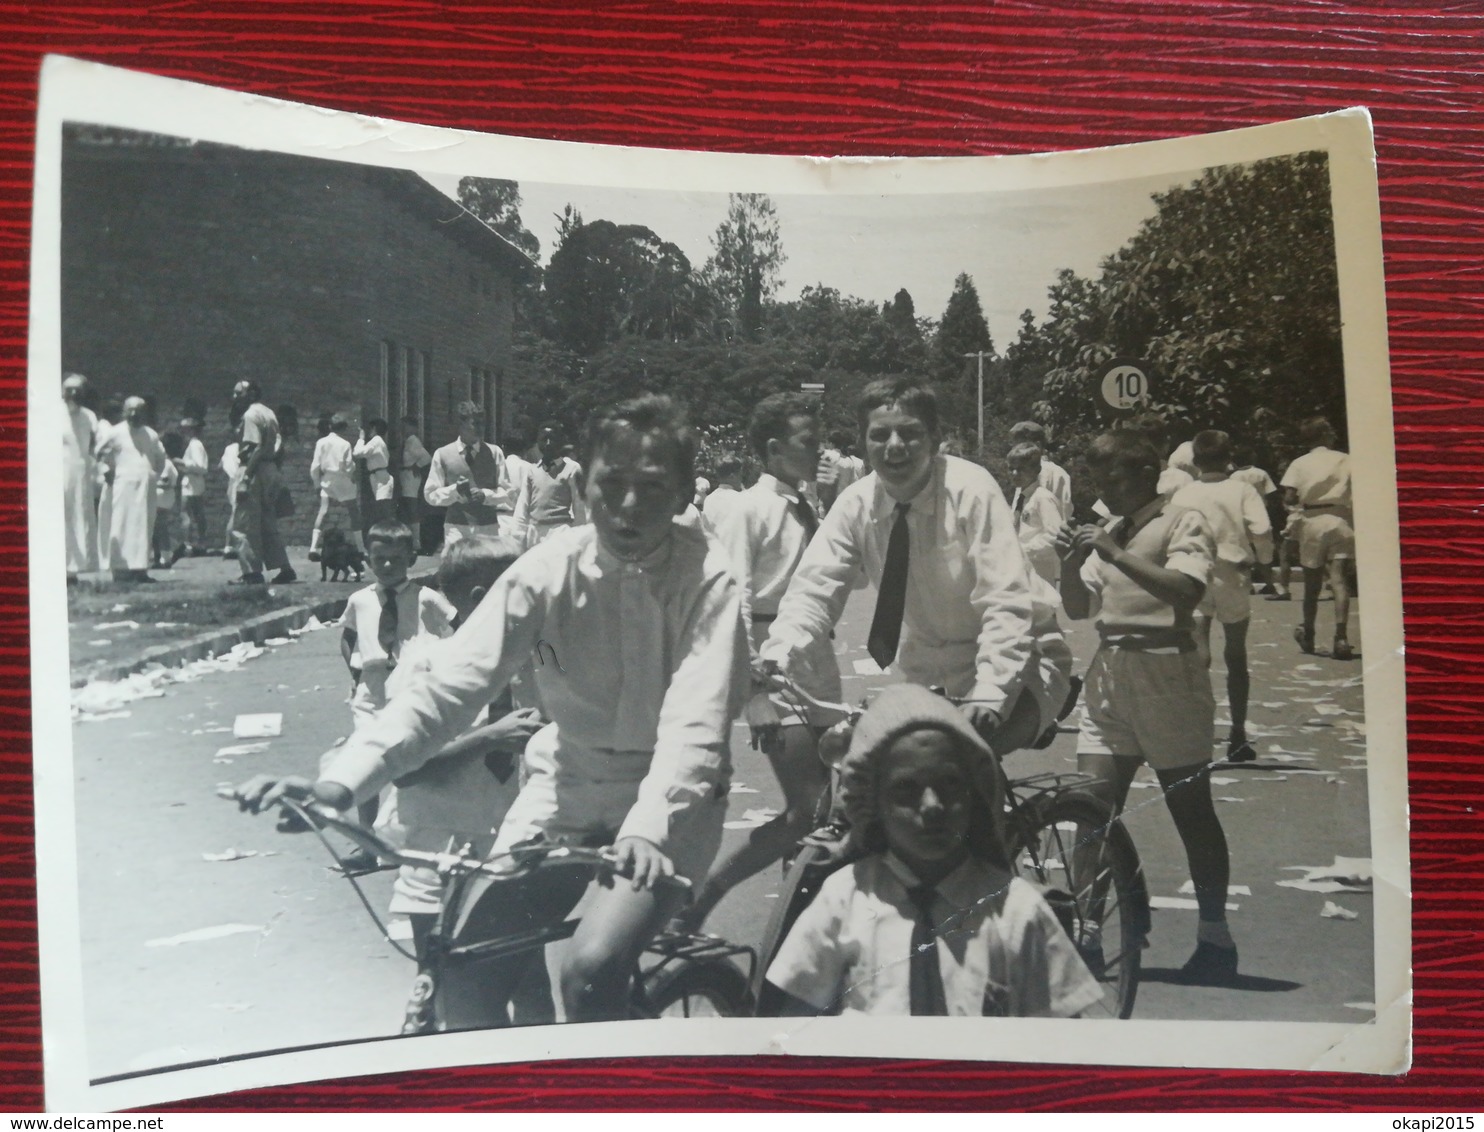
column 1175, row 977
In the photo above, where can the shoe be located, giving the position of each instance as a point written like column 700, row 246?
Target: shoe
column 314, row 555
column 1342, row 650
column 1281, row 595
column 1305, row 639
column 358, row 863
column 175, row 556
column 1241, row 753
column 285, row 576
column 1210, row 966
column 249, row 580
column 419, row 1016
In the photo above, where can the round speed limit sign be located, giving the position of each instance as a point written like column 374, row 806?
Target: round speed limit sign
column 1125, row 384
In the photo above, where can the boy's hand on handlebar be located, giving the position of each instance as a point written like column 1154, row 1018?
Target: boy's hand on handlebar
column 510, row 732
column 642, row 862
column 984, row 719
column 263, row 791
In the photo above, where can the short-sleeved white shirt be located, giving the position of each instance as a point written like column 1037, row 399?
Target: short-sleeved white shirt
column 1001, row 950
column 1321, row 478
column 420, row 611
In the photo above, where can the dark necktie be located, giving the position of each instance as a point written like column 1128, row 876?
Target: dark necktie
column 925, row 978
column 386, row 625
column 807, row 517
column 891, row 598
column 469, row 453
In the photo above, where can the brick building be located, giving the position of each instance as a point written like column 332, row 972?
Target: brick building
column 187, row 267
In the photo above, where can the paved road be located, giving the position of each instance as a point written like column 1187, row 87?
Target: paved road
column 310, row 968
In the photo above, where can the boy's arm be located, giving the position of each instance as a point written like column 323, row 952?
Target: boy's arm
column 437, row 491
column 733, row 532
column 579, row 496
column 1181, row 582
column 817, row 592
column 810, row 965
column 1259, row 526
column 469, row 670
column 1044, row 514
column 520, row 524
column 348, row 637
column 1076, row 598
column 1001, row 598
column 692, row 755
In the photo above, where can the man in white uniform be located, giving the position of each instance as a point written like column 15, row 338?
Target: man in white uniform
column 332, row 471
column 132, row 459
column 79, row 438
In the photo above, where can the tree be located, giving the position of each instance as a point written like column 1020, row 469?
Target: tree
column 900, row 314
column 747, row 252
column 963, row 330
column 497, row 203
column 1229, row 293
column 608, row 280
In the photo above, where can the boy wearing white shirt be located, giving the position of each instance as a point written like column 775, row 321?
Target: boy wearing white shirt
column 765, row 532
column 1244, row 535
column 332, row 471
column 642, row 621
column 470, row 480
column 411, row 473
column 549, row 495
column 193, row 466
column 371, row 449
column 1038, row 516
column 934, row 535
column 1052, row 476
column 1318, row 483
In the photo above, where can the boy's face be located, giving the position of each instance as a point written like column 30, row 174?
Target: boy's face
column 1124, row 489
column 796, row 454
column 389, row 561
column 926, row 797
column 471, row 428
column 634, row 492
column 900, row 449
column 1023, row 473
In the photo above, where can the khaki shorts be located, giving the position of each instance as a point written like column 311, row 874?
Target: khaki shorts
column 1155, row 706
column 574, row 794
column 1229, row 592
column 1325, row 536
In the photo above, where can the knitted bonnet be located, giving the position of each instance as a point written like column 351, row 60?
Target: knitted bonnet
column 898, row 709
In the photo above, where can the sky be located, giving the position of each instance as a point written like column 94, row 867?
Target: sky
column 1011, row 243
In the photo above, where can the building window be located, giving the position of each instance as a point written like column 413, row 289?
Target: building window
column 485, row 391
column 404, row 378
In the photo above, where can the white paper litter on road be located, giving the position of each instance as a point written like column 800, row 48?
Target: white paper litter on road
column 100, row 696
column 1228, row 798
column 102, row 715
column 1188, row 889
column 1347, row 874
column 104, row 626
column 100, row 643
column 739, row 788
column 867, row 667
column 1333, row 911
column 1217, row 780
column 1370, row 1006
column 169, row 624
column 274, row 641
column 265, row 725
column 238, row 854
column 241, row 749
column 1144, row 785
column 309, row 626
column 1333, row 709
column 118, row 609
column 751, row 819
column 202, row 934
column 1181, row 904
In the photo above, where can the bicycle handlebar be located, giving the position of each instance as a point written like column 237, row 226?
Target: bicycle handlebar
column 518, row 861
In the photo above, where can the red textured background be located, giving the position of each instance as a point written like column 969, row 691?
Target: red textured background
column 907, row 78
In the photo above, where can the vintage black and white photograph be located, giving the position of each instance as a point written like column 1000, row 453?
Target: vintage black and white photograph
column 761, row 605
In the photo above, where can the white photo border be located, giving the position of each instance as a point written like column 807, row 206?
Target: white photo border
column 73, row 90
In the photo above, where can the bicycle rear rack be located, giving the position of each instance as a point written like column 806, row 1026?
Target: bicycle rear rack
column 674, row 947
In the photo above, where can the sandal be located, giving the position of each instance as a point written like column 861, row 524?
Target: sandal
column 1305, row 640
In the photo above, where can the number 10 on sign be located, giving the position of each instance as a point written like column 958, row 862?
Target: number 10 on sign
column 1125, row 386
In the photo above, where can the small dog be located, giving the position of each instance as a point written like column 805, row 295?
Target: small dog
column 339, row 558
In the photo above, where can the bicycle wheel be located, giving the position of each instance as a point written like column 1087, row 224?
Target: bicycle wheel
column 696, row 988
column 1072, row 847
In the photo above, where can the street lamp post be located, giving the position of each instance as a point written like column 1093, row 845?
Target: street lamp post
column 980, row 355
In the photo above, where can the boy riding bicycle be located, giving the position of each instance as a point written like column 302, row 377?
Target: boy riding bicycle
column 636, row 622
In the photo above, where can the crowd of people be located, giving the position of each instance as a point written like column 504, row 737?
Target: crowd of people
column 596, row 628
column 136, row 500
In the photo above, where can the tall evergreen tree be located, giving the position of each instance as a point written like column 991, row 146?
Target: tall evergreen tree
column 747, row 253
